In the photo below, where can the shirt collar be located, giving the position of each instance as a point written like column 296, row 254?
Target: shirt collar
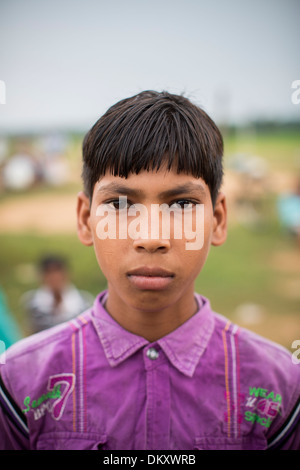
column 183, row 346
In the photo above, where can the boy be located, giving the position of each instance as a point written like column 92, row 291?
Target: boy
column 150, row 366
column 56, row 300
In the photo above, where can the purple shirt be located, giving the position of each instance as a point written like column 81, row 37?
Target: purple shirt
column 90, row 384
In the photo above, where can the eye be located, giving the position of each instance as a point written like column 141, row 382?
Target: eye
column 186, row 204
column 115, row 204
column 119, row 204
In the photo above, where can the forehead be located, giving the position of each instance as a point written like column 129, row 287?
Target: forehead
column 152, row 183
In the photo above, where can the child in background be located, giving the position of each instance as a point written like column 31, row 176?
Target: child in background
column 57, row 299
column 150, row 365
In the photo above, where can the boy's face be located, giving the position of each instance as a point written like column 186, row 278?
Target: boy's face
column 146, row 269
column 55, row 279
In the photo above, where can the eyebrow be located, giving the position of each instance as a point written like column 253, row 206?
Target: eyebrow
column 181, row 189
column 184, row 188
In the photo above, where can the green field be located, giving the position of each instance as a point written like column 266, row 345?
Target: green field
column 246, row 270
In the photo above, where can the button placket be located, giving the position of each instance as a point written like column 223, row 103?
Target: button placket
column 157, row 423
column 152, row 354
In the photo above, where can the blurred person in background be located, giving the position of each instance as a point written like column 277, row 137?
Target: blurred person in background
column 20, row 172
column 9, row 330
column 289, row 211
column 57, row 299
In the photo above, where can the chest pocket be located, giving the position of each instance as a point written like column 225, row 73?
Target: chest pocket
column 71, row 441
column 227, row 443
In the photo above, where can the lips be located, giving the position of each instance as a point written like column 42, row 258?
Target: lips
column 150, row 271
column 150, row 278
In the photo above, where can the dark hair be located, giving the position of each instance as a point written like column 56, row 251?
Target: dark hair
column 151, row 128
column 50, row 262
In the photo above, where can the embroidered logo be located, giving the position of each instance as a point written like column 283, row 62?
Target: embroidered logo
column 264, row 405
column 59, row 388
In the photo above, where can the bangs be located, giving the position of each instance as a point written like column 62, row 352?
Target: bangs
column 145, row 134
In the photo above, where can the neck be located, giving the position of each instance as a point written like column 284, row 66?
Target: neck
column 152, row 324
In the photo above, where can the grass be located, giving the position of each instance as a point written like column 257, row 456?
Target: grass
column 280, row 149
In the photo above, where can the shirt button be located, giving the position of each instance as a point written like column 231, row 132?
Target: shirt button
column 152, row 353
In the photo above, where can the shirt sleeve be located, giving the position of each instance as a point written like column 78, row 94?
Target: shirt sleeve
column 14, row 433
column 293, row 442
column 288, row 436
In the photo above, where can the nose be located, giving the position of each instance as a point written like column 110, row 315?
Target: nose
column 152, row 245
column 151, row 238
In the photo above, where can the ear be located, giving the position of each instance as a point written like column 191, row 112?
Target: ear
column 219, row 234
column 83, row 219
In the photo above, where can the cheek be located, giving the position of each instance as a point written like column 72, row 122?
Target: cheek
column 197, row 230
column 195, row 249
column 195, row 259
column 109, row 254
column 208, row 226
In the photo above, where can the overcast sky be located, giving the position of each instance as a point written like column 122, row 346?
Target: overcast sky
column 64, row 62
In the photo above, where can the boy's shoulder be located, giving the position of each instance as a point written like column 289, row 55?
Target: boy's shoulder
column 48, row 351
column 255, row 355
column 253, row 346
column 41, row 341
